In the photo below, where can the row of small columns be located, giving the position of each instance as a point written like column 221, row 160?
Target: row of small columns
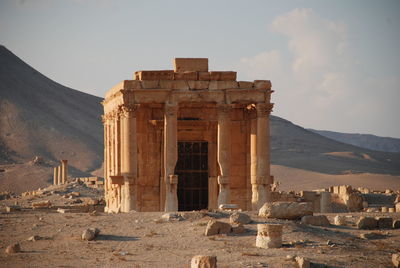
column 61, row 173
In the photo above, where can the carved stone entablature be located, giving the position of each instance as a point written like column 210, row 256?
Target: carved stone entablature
column 171, row 109
column 264, row 109
column 224, row 109
column 129, row 110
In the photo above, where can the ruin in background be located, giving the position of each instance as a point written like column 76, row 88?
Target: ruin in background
column 186, row 139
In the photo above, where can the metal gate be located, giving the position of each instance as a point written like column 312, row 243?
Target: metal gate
column 192, row 171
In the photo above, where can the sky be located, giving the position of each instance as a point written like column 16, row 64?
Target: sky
column 334, row 65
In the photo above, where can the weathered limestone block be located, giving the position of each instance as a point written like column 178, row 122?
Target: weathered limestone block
column 200, row 261
column 185, row 76
column 384, row 222
column 222, row 76
column 191, row 64
column 217, row 227
column 239, row 218
column 238, row 229
column 41, row 204
column 132, row 84
column 269, row 236
column 396, row 260
column 320, row 220
column 302, row 262
column 198, row 85
column 286, row 210
column 14, row 248
column 396, row 224
column 367, row 223
column 245, row 85
column 174, row 84
column 220, row 85
column 339, row 220
column 262, row 84
column 397, row 207
column 384, row 209
column 154, row 75
column 90, row 234
column 391, row 210
column 203, row 76
column 150, row 84
column 354, row 202
column 325, row 202
column 228, row 207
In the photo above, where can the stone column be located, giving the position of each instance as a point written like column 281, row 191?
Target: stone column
column 269, row 235
column 325, row 205
column 170, row 156
column 262, row 180
column 64, row 171
column 129, row 156
column 117, row 141
column 59, row 173
column 55, row 176
column 224, row 152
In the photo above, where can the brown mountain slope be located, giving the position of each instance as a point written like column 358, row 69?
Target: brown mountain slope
column 41, row 117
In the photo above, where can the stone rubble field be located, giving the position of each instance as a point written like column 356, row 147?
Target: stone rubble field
column 69, row 230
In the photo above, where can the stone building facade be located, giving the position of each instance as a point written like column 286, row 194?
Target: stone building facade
column 186, row 139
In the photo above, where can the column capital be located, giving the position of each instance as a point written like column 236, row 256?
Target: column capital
column 129, row 110
column 264, row 109
column 171, row 109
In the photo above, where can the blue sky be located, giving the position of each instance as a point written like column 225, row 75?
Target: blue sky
column 334, row 65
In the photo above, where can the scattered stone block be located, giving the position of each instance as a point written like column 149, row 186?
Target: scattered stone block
column 353, row 201
column 396, row 260
column 367, row 223
column 302, row 262
column 384, row 209
column 239, row 218
column 396, row 224
column 34, row 238
column 372, row 235
column 286, row 210
column 398, row 207
column 238, row 229
column 14, row 248
column 228, row 206
column 339, row 220
column 384, row 222
column 172, row 217
column 217, row 227
column 193, row 215
column 12, row 208
column 320, row 220
column 64, row 210
column 191, row 64
column 90, row 234
column 391, row 210
column 269, row 235
column 75, row 194
column 262, row 84
column 41, row 204
column 200, row 261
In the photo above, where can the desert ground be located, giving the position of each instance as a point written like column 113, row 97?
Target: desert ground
column 145, row 239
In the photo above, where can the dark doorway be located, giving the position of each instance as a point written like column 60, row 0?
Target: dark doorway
column 192, row 171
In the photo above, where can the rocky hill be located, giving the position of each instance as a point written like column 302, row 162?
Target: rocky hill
column 39, row 117
column 368, row 141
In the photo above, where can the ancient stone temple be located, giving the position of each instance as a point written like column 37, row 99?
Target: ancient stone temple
column 186, row 139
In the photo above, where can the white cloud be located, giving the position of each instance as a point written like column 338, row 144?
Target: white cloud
column 319, row 85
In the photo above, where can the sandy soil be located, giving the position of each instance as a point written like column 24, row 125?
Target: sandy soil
column 142, row 239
